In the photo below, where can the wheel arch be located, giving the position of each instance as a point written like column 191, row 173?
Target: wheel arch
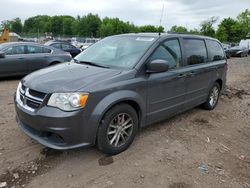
column 129, row 97
column 220, row 82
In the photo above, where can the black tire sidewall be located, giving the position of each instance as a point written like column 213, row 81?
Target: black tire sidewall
column 102, row 140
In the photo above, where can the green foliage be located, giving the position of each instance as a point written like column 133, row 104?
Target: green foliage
column 148, row 28
column 207, row 27
column 233, row 30
column 179, row 29
column 244, row 21
column 14, row 25
column 114, row 26
column 227, row 30
column 89, row 25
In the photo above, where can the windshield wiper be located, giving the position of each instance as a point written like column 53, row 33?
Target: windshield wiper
column 90, row 63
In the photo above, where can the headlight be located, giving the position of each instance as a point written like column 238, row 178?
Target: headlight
column 68, row 101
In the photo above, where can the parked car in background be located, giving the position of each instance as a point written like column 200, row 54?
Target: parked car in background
column 226, row 48
column 65, row 46
column 20, row 58
column 118, row 85
column 88, row 42
column 246, row 44
column 77, row 41
column 238, row 51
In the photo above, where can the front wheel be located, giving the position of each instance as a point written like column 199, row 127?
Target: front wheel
column 213, row 97
column 117, row 129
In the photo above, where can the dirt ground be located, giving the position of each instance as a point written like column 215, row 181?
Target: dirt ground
column 195, row 149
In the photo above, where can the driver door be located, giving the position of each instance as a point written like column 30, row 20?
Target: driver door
column 166, row 90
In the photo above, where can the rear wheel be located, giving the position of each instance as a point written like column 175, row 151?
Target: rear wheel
column 213, row 97
column 117, row 129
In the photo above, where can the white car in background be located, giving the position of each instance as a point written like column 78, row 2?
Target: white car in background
column 83, row 43
column 245, row 44
column 88, row 42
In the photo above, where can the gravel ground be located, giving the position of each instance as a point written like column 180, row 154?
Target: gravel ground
column 197, row 148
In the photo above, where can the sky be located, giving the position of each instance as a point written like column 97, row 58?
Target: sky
column 187, row 13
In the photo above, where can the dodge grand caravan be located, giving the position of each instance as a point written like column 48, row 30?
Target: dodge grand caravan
column 118, row 85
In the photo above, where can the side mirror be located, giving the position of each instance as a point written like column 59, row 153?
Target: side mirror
column 157, row 65
column 2, row 54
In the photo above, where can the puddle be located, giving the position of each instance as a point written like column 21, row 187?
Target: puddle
column 107, row 160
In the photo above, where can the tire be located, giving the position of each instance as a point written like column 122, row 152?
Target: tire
column 213, row 97
column 110, row 124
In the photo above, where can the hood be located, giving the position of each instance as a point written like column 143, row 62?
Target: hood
column 67, row 77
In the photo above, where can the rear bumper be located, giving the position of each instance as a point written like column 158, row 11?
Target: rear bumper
column 54, row 128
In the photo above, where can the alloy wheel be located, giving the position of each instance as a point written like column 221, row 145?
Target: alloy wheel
column 214, row 96
column 120, row 129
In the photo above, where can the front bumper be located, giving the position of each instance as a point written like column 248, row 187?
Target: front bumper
column 235, row 53
column 54, row 128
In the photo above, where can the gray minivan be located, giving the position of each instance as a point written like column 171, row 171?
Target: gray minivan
column 118, row 85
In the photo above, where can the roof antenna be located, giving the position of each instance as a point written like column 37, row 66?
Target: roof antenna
column 162, row 11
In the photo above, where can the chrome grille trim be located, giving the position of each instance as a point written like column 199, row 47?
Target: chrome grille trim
column 28, row 99
column 32, row 97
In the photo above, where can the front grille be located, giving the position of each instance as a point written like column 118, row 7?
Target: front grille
column 29, row 98
column 37, row 94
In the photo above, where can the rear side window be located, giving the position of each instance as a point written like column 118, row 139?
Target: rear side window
column 46, row 50
column 169, row 51
column 37, row 50
column 216, row 53
column 66, row 47
column 34, row 49
column 196, row 52
column 56, row 45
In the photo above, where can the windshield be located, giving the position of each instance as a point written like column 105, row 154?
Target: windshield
column 117, row 51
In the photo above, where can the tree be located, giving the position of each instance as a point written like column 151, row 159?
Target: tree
column 207, row 27
column 244, row 21
column 179, row 29
column 57, row 26
column 89, row 25
column 68, row 23
column 148, row 28
column 6, row 23
column 113, row 26
column 106, row 30
column 37, row 24
column 229, row 30
column 16, row 25
column 195, row 31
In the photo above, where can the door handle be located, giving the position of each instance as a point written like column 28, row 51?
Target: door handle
column 20, row 58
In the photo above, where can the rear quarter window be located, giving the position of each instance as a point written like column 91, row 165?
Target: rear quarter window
column 216, row 53
column 195, row 50
column 46, row 50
